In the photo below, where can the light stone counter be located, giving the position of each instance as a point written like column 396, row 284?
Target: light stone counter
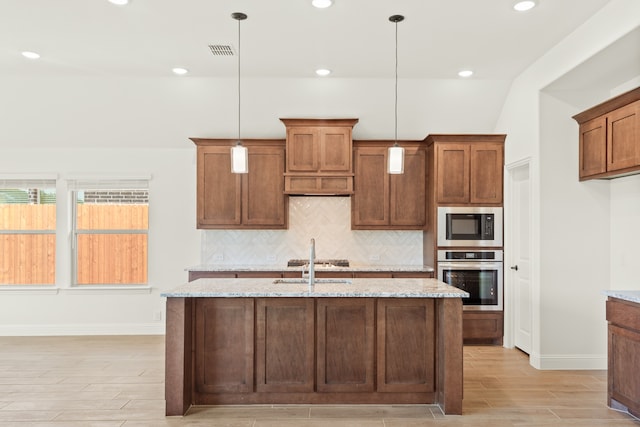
column 632, row 296
column 360, row 288
column 381, row 268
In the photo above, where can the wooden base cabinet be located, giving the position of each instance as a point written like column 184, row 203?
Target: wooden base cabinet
column 624, row 354
column 483, row 327
column 346, row 344
column 313, row 351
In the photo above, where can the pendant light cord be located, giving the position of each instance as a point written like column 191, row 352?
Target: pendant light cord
column 239, row 81
column 396, row 87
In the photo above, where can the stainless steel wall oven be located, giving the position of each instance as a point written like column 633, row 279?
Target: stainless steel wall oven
column 480, row 273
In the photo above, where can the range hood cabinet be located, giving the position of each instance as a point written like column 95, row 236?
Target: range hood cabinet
column 319, row 156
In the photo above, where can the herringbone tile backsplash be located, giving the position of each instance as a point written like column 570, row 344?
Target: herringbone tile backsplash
column 328, row 220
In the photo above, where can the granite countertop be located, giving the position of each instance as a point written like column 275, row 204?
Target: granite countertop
column 356, row 267
column 632, row 296
column 363, row 288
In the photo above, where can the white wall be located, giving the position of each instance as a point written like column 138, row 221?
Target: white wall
column 173, row 244
column 572, row 243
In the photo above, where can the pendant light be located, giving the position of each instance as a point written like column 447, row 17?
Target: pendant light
column 239, row 153
column 395, row 159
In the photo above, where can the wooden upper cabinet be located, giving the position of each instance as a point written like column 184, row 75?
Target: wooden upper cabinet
column 384, row 201
column 486, row 173
column 623, row 137
column 609, row 138
column 593, row 147
column 319, row 156
column 218, row 190
column 254, row 200
column 452, row 173
column 469, row 169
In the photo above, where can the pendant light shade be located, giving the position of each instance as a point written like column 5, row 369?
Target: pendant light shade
column 239, row 159
column 239, row 153
column 395, row 158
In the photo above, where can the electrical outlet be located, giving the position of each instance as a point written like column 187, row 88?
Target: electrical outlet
column 157, row 316
column 218, row 257
column 271, row 258
column 375, row 257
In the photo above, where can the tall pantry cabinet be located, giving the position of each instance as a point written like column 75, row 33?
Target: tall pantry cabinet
column 465, row 170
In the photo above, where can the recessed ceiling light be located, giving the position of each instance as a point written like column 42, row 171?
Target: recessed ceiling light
column 31, row 55
column 119, row 2
column 524, row 5
column 465, row 73
column 180, row 71
column 321, row 4
column 323, row 72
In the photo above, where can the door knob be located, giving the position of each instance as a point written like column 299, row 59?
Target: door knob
column 515, row 267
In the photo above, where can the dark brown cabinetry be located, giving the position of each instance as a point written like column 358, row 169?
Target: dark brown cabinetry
column 609, row 138
column 254, row 200
column 319, row 156
column 345, row 345
column 624, row 354
column 406, row 356
column 314, row 350
column 346, row 274
column 223, row 350
column 483, row 327
column 384, row 201
column 468, row 169
column 284, row 345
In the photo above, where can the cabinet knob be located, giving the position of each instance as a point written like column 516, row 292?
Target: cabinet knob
column 514, row 267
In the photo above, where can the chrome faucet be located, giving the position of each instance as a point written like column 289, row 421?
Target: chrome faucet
column 312, row 261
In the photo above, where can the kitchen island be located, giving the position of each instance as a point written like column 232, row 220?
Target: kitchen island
column 357, row 341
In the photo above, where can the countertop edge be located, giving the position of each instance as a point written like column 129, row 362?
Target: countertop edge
column 631, row 296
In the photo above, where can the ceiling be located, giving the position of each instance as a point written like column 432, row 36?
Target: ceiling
column 283, row 38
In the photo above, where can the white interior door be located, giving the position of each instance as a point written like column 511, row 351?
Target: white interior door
column 520, row 258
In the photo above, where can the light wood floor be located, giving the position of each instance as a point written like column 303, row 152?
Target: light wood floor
column 119, row 381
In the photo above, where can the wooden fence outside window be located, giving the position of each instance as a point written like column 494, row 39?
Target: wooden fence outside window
column 102, row 258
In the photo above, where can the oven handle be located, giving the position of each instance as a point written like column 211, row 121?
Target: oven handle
column 471, row 265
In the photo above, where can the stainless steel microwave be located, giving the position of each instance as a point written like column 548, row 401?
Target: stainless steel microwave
column 470, row 226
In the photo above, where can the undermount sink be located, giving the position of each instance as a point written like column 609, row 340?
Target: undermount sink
column 306, row 281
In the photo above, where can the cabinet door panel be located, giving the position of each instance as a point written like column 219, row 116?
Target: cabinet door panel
column 407, row 198
column 623, row 147
column 302, row 149
column 335, row 150
column 405, row 348
column 219, row 194
column 371, row 192
column 285, row 345
column 263, row 201
column 452, row 173
column 593, row 147
column 345, row 349
column 486, row 173
column 224, row 332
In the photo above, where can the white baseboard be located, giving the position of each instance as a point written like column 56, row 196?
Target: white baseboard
column 575, row 362
column 156, row 328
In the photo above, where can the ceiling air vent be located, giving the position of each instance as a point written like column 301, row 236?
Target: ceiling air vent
column 222, row 50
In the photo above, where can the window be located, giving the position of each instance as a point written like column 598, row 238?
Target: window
column 110, row 225
column 27, row 232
